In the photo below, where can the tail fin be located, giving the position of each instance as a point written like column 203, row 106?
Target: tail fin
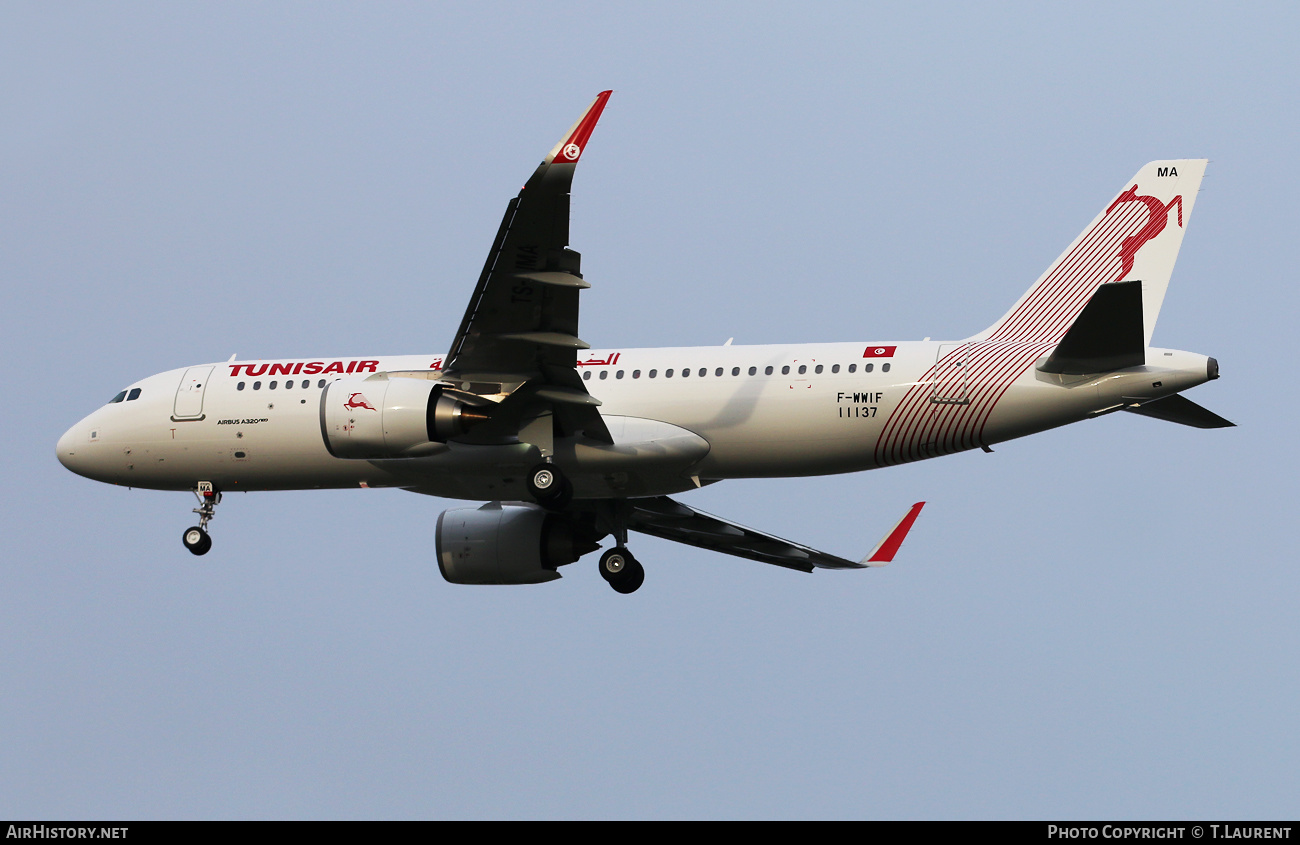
column 1136, row 236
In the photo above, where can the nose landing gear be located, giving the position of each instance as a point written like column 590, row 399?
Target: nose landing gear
column 196, row 537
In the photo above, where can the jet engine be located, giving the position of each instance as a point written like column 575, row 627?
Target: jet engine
column 380, row 417
column 507, row 544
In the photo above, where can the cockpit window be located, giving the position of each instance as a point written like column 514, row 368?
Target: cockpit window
column 133, row 395
column 118, row 398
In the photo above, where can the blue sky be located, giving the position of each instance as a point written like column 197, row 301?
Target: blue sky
column 1095, row 621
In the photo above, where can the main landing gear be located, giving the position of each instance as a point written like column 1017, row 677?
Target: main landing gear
column 549, row 488
column 618, row 567
column 623, row 572
column 196, row 538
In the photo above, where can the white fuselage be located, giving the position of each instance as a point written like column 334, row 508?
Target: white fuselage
column 742, row 412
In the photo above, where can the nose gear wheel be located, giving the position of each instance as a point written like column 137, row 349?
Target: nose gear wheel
column 196, row 538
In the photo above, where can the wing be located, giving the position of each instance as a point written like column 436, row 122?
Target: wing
column 521, row 326
column 671, row 520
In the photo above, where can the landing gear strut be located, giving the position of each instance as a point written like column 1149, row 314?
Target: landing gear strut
column 623, row 572
column 549, row 488
column 196, row 537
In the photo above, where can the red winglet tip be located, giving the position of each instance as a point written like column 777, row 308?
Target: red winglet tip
column 884, row 553
column 570, row 149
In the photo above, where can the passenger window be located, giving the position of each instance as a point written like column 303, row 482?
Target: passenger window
column 288, row 385
column 835, row 368
column 703, row 372
column 320, row 383
column 636, row 374
column 866, row 368
column 718, row 371
column 686, row 372
column 853, row 368
column 257, row 385
column 586, row 375
column 803, row 368
column 884, row 368
column 753, row 371
column 272, row 385
column 135, row 394
column 767, row 371
column 785, row 371
column 618, row 374
column 735, row 371
column 239, row 386
column 653, row 373
column 818, row 370
column 604, row 374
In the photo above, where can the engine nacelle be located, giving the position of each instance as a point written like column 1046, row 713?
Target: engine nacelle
column 506, row 544
column 380, row 417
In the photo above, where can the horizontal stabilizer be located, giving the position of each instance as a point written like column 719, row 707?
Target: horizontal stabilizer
column 1106, row 336
column 1179, row 409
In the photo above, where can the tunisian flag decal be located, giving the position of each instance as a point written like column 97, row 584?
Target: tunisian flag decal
column 879, row 352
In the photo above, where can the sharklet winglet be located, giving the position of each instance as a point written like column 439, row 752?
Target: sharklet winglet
column 570, row 148
column 884, row 552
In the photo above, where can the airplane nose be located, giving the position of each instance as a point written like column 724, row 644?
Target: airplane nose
column 75, row 450
column 66, row 452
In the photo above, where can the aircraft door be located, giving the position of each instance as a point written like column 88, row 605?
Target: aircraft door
column 949, row 383
column 189, row 395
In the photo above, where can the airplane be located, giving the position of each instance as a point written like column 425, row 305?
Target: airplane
column 568, row 446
